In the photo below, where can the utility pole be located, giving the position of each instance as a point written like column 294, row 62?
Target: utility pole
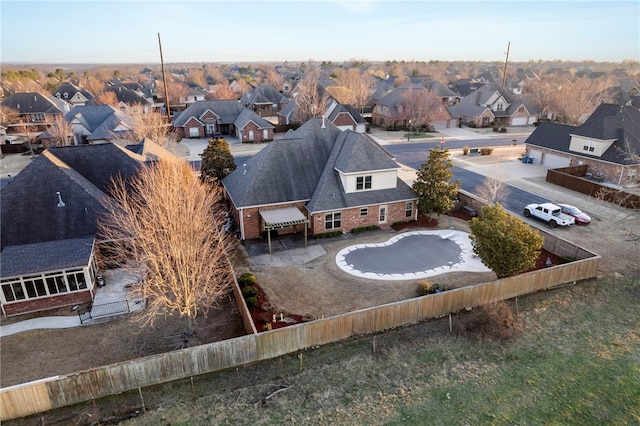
column 164, row 81
column 504, row 73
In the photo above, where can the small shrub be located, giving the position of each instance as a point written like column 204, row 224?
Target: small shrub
column 252, row 302
column 503, row 130
column 472, row 125
column 495, row 128
column 566, row 259
column 364, row 228
column 268, row 307
column 266, row 326
column 329, row 234
column 427, row 287
column 249, row 291
column 486, row 151
column 495, row 322
column 465, row 150
column 246, row 279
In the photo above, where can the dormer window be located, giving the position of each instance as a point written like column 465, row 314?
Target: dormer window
column 500, row 107
column 363, row 182
column 588, row 146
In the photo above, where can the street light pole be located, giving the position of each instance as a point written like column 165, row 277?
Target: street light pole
column 409, row 132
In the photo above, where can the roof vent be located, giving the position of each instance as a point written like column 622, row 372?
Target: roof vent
column 323, row 126
column 60, row 202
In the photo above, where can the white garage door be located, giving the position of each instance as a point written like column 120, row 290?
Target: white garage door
column 519, row 121
column 555, row 161
column 193, row 132
column 535, row 154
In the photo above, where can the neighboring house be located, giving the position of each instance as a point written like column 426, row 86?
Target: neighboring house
column 73, row 94
column 491, row 105
column 194, row 94
column 128, row 97
column 345, row 117
column 608, row 142
column 264, row 100
column 318, row 179
column 34, row 110
column 228, row 117
column 48, row 239
column 393, row 109
column 95, row 124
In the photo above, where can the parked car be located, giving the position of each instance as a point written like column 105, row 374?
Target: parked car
column 550, row 213
column 580, row 217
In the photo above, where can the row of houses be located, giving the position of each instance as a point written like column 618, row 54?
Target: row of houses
column 317, row 179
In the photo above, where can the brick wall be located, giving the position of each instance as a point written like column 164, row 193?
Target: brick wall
column 351, row 218
column 33, row 305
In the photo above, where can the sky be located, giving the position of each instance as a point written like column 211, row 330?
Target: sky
column 65, row 32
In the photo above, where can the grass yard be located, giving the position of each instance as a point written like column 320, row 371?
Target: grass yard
column 577, row 362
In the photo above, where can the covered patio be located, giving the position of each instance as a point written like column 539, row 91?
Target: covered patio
column 283, row 218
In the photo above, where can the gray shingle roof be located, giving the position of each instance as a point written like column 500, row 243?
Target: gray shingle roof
column 227, row 110
column 607, row 122
column 100, row 120
column 30, row 212
column 303, row 166
column 263, row 94
column 31, row 103
column 28, row 259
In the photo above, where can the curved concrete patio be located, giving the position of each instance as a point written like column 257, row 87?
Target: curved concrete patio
column 411, row 255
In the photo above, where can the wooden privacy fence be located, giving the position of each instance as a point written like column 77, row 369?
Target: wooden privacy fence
column 34, row 397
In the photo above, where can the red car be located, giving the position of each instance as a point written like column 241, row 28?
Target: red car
column 580, row 217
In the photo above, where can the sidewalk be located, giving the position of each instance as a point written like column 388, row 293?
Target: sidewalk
column 115, row 290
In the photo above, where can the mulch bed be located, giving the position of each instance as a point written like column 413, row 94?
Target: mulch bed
column 266, row 317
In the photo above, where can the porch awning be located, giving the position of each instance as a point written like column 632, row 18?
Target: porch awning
column 283, row 217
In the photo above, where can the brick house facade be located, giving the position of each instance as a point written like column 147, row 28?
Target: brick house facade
column 341, row 179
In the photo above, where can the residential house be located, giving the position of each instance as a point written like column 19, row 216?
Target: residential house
column 318, row 179
column 399, row 106
column 608, row 142
column 264, row 100
column 93, row 124
column 73, row 94
column 129, row 97
column 493, row 105
column 227, row 117
column 34, row 111
column 194, row 94
column 345, row 117
column 48, row 239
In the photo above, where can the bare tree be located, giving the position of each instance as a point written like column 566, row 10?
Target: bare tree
column 106, row 98
column 177, row 91
column 360, row 85
column 60, row 130
column 311, row 98
column 420, row 106
column 274, row 78
column 8, row 116
column 223, row 91
column 168, row 223
column 492, row 190
column 147, row 125
column 578, row 99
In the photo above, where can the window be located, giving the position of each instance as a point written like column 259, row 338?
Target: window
column 56, row 284
column 364, row 211
column 35, row 286
column 588, row 146
column 13, row 291
column 363, row 182
column 500, row 106
column 76, row 281
column 408, row 209
column 333, row 220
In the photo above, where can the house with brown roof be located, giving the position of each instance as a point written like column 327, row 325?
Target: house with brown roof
column 318, row 179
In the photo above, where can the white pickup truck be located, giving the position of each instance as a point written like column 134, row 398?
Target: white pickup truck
column 549, row 213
